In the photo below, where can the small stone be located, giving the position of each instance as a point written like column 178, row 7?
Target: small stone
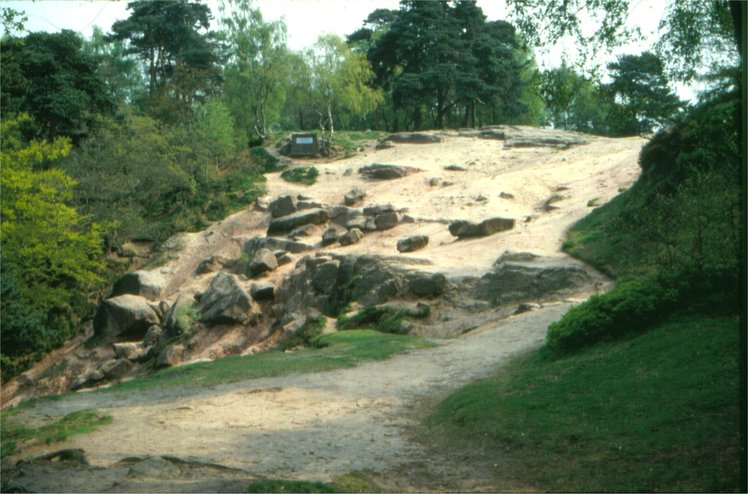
column 329, row 237
column 262, row 291
column 386, row 221
column 413, row 243
column 354, row 197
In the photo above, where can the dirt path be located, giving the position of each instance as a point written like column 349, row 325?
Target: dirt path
column 311, row 426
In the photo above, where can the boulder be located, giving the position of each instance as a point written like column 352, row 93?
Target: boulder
column 413, row 243
column 378, row 209
column 256, row 243
column 282, row 257
column 129, row 350
column 512, row 282
column 215, row 263
column 462, row 229
column 506, row 195
column 170, row 356
column 427, row 285
column 513, row 256
column 226, row 302
column 325, row 276
column 377, row 171
column 263, row 261
column 147, row 284
column 302, row 231
column 386, row 221
column 329, row 237
column 124, row 316
column 286, row 224
column 359, row 222
column 262, row 291
column 283, row 206
column 413, row 138
column 342, row 214
column 152, row 336
column 455, row 168
column 354, row 197
column 88, row 379
column 352, row 236
column 116, row 368
column 181, row 316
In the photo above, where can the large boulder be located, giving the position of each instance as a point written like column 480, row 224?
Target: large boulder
column 387, row 220
column 413, row 138
column 124, row 316
column 510, row 282
column 283, row 206
column 226, row 302
column 286, row 224
column 377, row 171
column 263, row 261
column 181, row 315
column 462, row 229
column 413, row 243
column 256, row 243
column 147, row 284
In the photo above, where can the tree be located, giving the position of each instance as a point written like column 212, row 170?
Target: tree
column 573, row 101
column 50, row 258
column 49, row 76
column 259, row 65
column 642, row 100
column 340, row 81
column 118, row 71
column 178, row 53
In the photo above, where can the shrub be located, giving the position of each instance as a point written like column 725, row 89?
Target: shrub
column 301, row 175
column 630, row 308
column 384, row 319
column 266, row 161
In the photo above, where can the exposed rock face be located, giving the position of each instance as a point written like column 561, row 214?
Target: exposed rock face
column 352, row 236
column 327, row 284
column 178, row 319
column 519, row 281
column 329, row 237
column 387, row 220
column 170, row 356
column 354, row 197
column 413, row 243
column 413, row 138
column 147, row 284
column 283, row 206
column 263, row 261
column 378, row 171
column 286, row 224
column 215, row 263
column 124, row 316
column 256, row 243
column 464, row 229
column 226, row 302
column 262, row 291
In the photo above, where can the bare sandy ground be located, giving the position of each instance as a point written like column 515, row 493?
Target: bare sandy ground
column 316, row 426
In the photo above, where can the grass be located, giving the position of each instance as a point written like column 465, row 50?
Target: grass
column 305, row 175
column 76, row 423
column 337, row 350
column 656, row 412
column 350, row 482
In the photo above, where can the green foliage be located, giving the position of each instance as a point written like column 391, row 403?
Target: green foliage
column 50, row 257
column 384, row 319
column 202, row 175
column 49, row 76
column 305, row 175
column 76, row 423
column 641, row 98
column 307, row 336
column 629, row 309
column 573, row 101
column 277, row 485
column 263, row 159
column 659, row 412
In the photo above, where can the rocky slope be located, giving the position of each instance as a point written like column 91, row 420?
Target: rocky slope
column 467, row 224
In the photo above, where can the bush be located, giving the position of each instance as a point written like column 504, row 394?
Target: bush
column 262, row 158
column 384, row 319
column 301, row 175
column 630, row 308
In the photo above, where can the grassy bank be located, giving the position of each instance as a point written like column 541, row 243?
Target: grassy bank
column 651, row 413
column 334, row 351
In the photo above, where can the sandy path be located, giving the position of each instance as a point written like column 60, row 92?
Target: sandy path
column 312, row 426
